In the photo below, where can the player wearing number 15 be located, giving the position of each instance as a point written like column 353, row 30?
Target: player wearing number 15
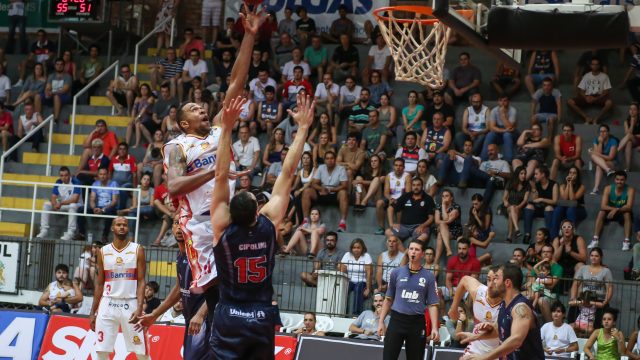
column 244, row 247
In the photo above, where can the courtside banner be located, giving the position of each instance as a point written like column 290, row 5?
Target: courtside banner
column 285, row 347
column 69, row 338
column 323, row 348
column 440, row 353
column 21, row 334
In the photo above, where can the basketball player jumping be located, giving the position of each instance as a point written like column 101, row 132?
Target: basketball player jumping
column 485, row 309
column 196, row 315
column 517, row 326
column 244, row 244
column 119, row 294
column 190, row 160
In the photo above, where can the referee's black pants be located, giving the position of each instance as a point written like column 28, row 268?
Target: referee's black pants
column 407, row 329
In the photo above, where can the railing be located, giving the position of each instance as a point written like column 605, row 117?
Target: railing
column 35, row 210
column 3, row 158
column 81, row 92
column 153, row 32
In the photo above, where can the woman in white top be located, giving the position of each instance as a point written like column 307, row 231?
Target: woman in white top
column 369, row 183
column 558, row 337
column 633, row 347
column 357, row 264
column 306, row 238
column 302, row 181
column 28, row 121
column 308, row 325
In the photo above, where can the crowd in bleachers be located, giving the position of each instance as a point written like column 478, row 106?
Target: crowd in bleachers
column 364, row 152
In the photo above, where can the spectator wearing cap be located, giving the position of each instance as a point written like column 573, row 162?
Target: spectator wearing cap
column 269, row 112
column 327, row 95
column 65, row 197
column 305, row 26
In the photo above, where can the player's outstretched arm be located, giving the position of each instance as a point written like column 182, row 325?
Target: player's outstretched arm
column 220, row 197
column 145, row 321
column 279, row 201
column 97, row 291
column 467, row 283
column 177, row 181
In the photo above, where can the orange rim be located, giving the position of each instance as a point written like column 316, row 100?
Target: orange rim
column 424, row 10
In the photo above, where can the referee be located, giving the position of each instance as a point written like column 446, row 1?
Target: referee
column 411, row 289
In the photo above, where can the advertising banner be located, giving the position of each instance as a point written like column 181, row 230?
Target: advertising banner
column 9, row 265
column 21, row 334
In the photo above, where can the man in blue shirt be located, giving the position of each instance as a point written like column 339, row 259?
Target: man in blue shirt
column 65, row 197
column 104, row 199
column 411, row 290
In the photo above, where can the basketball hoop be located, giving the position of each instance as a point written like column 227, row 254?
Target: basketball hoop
column 418, row 45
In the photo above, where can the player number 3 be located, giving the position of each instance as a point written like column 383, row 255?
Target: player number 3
column 251, row 269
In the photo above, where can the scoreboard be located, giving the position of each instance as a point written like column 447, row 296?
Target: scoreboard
column 80, row 11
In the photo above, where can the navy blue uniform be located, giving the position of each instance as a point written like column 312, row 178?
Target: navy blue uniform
column 195, row 346
column 531, row 348
column 244, row 319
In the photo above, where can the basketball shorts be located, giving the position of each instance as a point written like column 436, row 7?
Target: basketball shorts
column 196, row 347
column 114, row 314
column 211, row 13
column 244, row 331
column 198, row 240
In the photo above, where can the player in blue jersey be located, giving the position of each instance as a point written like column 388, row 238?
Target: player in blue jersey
column 195, row 312
column 244, row 245
column 517, row 326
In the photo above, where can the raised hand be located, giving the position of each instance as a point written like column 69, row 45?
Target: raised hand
column 304, row 113
column 232, row 112
column 253, row 18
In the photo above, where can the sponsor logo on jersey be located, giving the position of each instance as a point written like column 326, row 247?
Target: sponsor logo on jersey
column 119, row 260
column 116, row 305
column 488, row 316
column 422, row 282
column 199, row 163
column 127, row 274
column 409, row 295
column 136, row 340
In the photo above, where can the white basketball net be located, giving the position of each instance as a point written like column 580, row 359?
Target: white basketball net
column 418, row 50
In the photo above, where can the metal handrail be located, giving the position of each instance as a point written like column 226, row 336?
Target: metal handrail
column 146, row 37
column 3, row 158
column 85, row 89
column 33, row 211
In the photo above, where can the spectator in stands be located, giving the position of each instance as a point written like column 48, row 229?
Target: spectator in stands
column 17, row 18
column 436, row 140
column 379, row 58
column 452, row 166
column 464, row 81
column 411, row 215
column 70, row 68
column 104, row 199
column 90, row 69
column 608, row 340
column 169, row 127
column 492, row 174
column 163, row 104
column 474, row 124
column 506, row 81
column 287, row 25
column 571, row 201
column 438, row 106
column 283, row 50
column 5, row 86
column 447, row 222
column 604, row 155
column 534, row 251
column 147, row 211
column 458, row 266
column 546, row 283
column 167, row 71
column 152, row 161
column 632, row 345
column 502, row 129
column 514, row 199
column 359, row 114
column 292, row 88
column 518, row 258
column 330, row 184
column 546, row 106
column 189, row 43
column 222, row 68
column 339, row 26
column 388, row 115
column 349, row 97
column 544, row 197
column 357, row 264
column 583, row 65
column 324, row 125
column 305, row 26
column 616, row 205
column 122, row 91
column 396, row 183
column 269, row 112
column 256, row 65
column 34, row 85
column 569, row 249
column 289, row 67
column 368, row 183
column 633, row 82
column 6, row 131
column 28, row 121
column 567, row 148
column 377, row 87
column 463, row 324
column 345, row 59
column 275, row 169
column 412, row 114
column 124, row 172
column 327, row 259
column 410, row 152
column 65, row 197
column 558, row 337
column 365, row 327
column 165, row 207
column 532, row 148
column 88, row 168
column 60, row 294
column 593, row 90
column 302, row 181
column 151, row 302
column 42, row 51
column 479, row 228
column 273, row 149
column 308, row 325
column 57, row 91
column 193, row 67
column 374, row 136
column 597, row 278
column 247, row 151
column 327, row 95
column 542, row 64
column 631, row 138
column 387, row 261
column 174, row 315
column 306, row 238
column 259, row 84
column 142, row 120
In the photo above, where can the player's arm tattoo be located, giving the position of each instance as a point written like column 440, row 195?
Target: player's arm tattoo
column 177, row 164
column 522, row 311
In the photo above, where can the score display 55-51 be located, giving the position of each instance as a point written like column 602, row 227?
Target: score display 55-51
column 76, row 10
